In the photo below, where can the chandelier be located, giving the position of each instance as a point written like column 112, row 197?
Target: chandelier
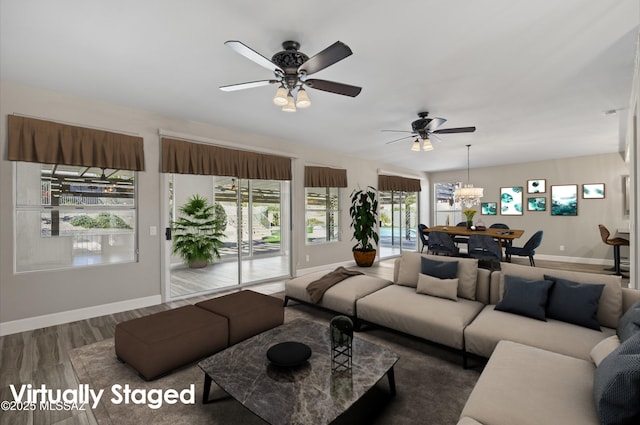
column 468, row 196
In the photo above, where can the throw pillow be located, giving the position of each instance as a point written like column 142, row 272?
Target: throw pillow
column 604, row 348
column 442, row 288
column 574, row 302
column 407, row 269
column 616, row 386
column 439, row 269
column 525, row 297
column 629, row 322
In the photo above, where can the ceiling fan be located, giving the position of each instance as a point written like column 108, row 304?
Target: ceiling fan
column 291, row 69
column 425, row 129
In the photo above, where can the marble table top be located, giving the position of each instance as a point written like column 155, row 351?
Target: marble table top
column 308, row 394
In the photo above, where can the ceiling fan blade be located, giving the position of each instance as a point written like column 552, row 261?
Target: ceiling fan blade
column 398, row 140
column 455, row 130
column 249, row 85
column 435, row 123
column 252, row 55
column 332, row 54
column 333, row 87
column 434, row 138
column 398, row 131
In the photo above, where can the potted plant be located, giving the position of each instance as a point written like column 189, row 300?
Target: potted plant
column 198, row 231
column 364, row 217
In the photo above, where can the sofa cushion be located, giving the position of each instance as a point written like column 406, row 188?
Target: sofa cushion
column 525, row 385
column 610, row 305
column 617, row 385
column 629, row 322
column 604, row 348
column 525, row 297
column 439, row 269
column 483, row 334
column 574, row 302
column 443, row 288
column 340, row 297
column 432, row 318
column 410, row 265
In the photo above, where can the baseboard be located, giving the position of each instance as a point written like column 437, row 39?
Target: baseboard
column 580, row 260
column 53, row 319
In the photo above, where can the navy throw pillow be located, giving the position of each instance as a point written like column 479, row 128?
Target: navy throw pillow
column 439, row 269
column 629, row 322
column 525, row 297
column 574, row 302
column 616, row 386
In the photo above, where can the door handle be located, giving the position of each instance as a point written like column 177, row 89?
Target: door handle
column 167, row 233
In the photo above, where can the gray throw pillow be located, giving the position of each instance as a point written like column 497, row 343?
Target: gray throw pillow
column 439, row 269
column 525, row 297
column 441, row 288
column 629, row 322
column 616, row 387
column 574, row 302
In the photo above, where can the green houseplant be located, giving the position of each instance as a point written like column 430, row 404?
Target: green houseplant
column 198, row 231
column 364, row 218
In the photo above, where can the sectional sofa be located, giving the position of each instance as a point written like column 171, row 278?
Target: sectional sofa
column 541, row 369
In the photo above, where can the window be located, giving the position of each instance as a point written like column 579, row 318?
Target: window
column 73, row 216
column 322, row 214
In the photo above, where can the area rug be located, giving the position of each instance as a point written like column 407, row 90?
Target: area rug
column 431, row 385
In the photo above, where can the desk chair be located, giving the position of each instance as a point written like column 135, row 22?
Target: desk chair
column 528, row 250
column 616, row 243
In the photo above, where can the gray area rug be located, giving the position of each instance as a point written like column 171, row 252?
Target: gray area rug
column 431, row 384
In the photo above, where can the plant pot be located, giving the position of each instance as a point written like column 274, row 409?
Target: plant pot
column 364, row 258
column 197, row 264
column 469, row 224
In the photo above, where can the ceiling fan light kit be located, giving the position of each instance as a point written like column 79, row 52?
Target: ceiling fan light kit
column 291, row 69
column 426, row 129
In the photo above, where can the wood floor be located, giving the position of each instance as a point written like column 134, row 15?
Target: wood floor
column 41, row 356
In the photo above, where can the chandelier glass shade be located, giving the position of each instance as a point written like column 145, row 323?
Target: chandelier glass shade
column 468, row 196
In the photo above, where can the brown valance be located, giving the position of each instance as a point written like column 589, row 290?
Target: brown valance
column 398, row 183
column 48, row 142
column 182, row 157
column 324, row 177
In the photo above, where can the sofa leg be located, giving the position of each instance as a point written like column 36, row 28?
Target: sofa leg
column 286, row 301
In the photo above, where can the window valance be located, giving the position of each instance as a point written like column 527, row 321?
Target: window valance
column 48, row 142
column 324, row 177
column 398, row 183
column 183, row 157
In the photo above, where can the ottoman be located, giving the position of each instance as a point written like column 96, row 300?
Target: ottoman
column 156, row 344
column 249, row 313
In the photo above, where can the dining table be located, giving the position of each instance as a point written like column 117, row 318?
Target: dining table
column 502, row 236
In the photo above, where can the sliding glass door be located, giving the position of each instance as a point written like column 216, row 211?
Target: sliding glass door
column 398, row 222
column 256, row 241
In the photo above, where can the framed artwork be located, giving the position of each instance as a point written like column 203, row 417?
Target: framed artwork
column 536, row 204
column 564, row 199
column 511, row 200
column 626, row 182
column 489, row 208
column 537, row 186
column 593, row 191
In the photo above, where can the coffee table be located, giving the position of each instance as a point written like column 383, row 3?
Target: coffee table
column 307, row 394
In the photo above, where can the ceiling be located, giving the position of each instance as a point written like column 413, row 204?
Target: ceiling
column 534, row 77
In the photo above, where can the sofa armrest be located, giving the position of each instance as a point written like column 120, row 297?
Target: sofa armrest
column 629, row 296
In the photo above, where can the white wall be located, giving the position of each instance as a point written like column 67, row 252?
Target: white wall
column 51, row 295
column 579, row 235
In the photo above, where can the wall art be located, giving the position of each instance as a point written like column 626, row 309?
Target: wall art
column 536, row 204
column 489, row 208
column 536, row 186
column 593, row 191
column 564, row 199
column 511, row 200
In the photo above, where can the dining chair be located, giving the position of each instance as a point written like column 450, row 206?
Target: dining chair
column 442, row 243
column 616, row 243
column 505, row 242
column 486, row 250
column 423, row 236
column 461, row 239
column 528, row 250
